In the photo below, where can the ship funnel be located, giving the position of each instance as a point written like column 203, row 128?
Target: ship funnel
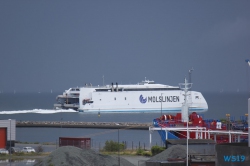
column 112, row 90
column 116, row 87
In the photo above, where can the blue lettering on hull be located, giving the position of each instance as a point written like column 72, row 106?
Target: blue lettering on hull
column 162, row 99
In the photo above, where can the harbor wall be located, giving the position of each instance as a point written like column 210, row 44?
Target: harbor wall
column 99, row 125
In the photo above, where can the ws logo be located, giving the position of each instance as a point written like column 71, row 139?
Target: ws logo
column 238, row 158
column 143, row 100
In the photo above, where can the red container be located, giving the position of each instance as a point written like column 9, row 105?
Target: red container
column 3, row 137
column 83, row 143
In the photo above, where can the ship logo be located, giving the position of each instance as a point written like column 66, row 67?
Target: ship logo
column 142, row 100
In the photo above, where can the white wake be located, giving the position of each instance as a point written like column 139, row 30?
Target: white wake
column 37, row 111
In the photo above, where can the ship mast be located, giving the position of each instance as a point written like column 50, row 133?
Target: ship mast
column 184, row 110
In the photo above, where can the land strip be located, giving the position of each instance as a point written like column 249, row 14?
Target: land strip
column 99, row 125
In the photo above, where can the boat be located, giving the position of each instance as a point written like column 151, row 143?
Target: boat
column 221, row 131
column 146, row 96
column 68, row 100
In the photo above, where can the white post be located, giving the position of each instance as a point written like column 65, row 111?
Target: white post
column 166, row 131
column 187, row 142
column 150, row 138
column 248, row 122
column 196, row 133
column 184, row 110
column 230, row 139
column 161, row 119
column 10, row 132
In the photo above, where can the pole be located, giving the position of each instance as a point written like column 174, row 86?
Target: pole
column 118, row 148
column 190, row 72
column 187, row 141
column 10, row 141
column 103, row 80
column 161, row 117
column 185, row 107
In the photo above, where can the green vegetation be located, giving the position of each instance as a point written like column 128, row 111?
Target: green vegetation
column 139, row 151
column 112, row 148
column 42, row 143
column 156, row 149
column 22, row 155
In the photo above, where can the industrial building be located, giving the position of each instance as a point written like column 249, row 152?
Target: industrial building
column 7, row 133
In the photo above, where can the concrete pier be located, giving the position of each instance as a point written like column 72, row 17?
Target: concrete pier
column 72, row 124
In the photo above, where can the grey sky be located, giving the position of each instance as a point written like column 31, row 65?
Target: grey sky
column 59, row 44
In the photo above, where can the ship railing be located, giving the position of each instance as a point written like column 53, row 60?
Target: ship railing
column 101, row 86
column 172, row 123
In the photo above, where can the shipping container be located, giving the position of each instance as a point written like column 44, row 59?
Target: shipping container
column 83, row 143
column 3, row 137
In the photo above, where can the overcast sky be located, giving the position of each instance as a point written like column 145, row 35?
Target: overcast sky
column 57, row 44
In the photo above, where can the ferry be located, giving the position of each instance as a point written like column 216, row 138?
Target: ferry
column 68, row 100
column 146, row 97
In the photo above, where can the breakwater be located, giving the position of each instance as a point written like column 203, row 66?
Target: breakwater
column 72, row 124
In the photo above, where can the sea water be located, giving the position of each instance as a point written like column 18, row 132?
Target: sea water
column 39, row 107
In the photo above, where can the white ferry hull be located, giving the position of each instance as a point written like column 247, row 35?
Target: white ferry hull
column 140, row 101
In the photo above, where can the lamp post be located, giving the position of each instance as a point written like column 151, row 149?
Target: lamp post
column 10, row 141
column 185, row 106
column 118, row 148
column 187, row 141
column 161, row 119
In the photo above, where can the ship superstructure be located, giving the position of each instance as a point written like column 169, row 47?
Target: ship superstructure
column 68, row 100
column 146, row 96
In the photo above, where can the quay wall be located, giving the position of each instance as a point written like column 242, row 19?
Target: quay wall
column 99, row 125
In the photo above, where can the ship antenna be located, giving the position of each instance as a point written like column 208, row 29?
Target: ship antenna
column 247, row 73
column 190, row 72
column 103, row 80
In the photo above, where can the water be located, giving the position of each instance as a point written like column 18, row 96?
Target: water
column 22, row 107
